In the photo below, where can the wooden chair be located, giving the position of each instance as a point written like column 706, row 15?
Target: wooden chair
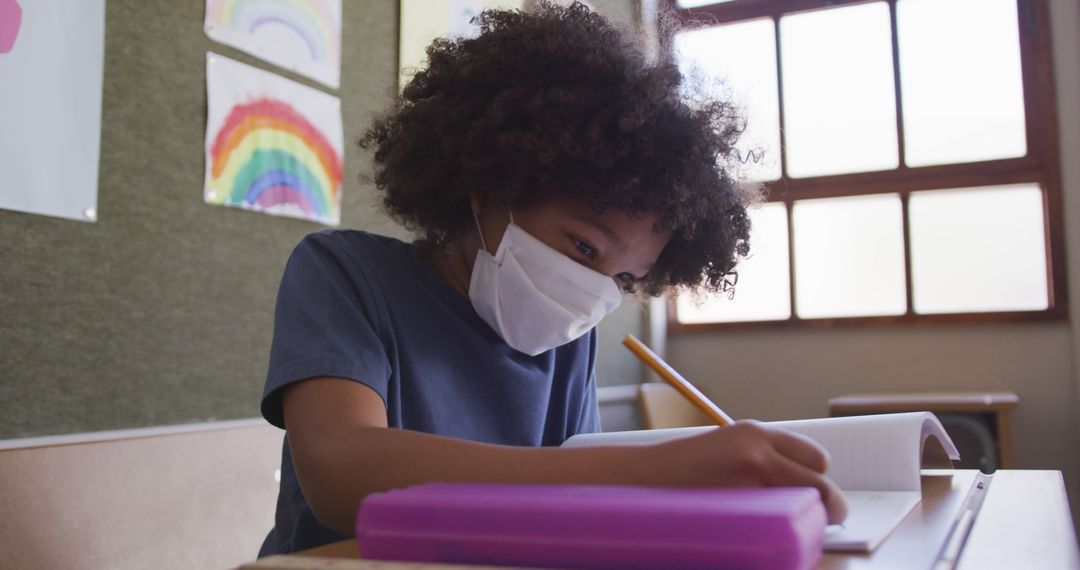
column 663, row 407
column 180, row 497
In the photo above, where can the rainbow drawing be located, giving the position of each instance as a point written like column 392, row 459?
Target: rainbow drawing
column 267, row 156
column 268, row 146
column 273, row 29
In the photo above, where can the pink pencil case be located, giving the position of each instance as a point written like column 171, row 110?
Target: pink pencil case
column 590, row 526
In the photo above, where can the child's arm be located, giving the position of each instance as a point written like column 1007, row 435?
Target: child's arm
column 342, row 451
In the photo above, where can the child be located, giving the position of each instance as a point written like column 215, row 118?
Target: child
column 548, row 170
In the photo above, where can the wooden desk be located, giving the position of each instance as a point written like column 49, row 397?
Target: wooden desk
column 1024, row 523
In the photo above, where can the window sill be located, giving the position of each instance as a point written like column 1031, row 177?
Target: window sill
column 1059, row 313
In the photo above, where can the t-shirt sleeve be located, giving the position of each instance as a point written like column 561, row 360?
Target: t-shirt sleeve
column 589, row 417
column 325, row 323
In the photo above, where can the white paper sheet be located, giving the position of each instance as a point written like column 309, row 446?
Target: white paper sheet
column 881, row 452
column 872, row 515
column 50, row 106
column 303, row 36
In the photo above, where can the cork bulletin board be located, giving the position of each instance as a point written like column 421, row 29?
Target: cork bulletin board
column 161, row 312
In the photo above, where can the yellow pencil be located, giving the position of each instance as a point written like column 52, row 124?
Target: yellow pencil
column 665, row 371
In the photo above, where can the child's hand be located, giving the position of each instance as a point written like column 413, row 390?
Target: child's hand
column 748, row 454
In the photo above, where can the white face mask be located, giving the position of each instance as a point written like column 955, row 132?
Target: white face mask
column 535, row 297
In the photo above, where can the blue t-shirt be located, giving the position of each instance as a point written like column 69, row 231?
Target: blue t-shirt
column 363, row 307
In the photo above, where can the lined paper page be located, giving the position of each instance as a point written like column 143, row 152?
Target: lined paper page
column 881, row 452
column 637, row 437
column 872, row 515
column 869, row 453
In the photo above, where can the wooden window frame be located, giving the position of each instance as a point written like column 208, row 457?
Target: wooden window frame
column 1041, row 165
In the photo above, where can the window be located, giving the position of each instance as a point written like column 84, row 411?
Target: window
column 910, row 151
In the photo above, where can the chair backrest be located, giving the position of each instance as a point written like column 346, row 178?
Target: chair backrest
column 185, row 497
column 664, row 407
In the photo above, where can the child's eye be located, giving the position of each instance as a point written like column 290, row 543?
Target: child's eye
column 625, row 277
column 585, row 249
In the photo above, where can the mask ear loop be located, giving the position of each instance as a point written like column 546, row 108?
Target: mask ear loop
column 479, row 231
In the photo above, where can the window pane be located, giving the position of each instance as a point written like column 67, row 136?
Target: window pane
column 960, row 80
column 839, row 95
column 849, row 257
column 743, row 57
column 978, row 249
column 763, row 291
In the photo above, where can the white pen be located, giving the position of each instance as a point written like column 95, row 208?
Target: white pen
column 961, row 527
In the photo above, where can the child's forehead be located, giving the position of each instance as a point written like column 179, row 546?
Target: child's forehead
column 615, row 223
column 581, row 208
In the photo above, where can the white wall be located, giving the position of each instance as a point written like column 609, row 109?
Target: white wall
column 1066, row 38
column 782, row 374
column 1065, row 22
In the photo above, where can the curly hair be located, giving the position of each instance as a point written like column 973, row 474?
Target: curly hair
column 557, row 102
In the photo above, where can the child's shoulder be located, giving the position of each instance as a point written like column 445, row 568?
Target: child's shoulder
column 357, row 244
column 354, row 254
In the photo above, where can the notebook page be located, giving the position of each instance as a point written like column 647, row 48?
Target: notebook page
column 869, row 453
column 872, row 516
column 636, row 437
column 874, row 453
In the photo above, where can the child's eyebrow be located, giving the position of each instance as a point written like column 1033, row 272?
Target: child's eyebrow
column 604, row 229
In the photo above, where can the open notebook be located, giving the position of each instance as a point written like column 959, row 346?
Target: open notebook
column 876, row 460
